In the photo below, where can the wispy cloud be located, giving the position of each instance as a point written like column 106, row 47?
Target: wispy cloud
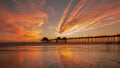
column 89, row 14
column 61, row 23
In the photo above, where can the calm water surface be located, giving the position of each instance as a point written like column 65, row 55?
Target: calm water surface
column 60, row 56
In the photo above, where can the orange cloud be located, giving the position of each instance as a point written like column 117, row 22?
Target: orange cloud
column 64, row 16
column 90, row 15
column 25, row 23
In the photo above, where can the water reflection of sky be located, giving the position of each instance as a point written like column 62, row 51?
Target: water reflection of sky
column 74, row 56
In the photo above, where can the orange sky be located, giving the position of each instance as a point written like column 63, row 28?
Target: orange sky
column 30, row 20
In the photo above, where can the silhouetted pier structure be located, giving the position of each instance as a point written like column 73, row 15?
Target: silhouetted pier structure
column 108, row 39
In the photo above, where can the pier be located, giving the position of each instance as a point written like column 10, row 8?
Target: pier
column 107, row 39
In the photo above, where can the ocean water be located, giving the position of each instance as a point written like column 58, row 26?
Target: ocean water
column 60, row 56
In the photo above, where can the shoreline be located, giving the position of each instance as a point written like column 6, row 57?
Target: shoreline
column 49, row 44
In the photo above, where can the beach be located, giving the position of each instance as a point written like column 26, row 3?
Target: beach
column 60, row 56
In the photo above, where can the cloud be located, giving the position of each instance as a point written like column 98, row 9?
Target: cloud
column 61, row 23
column 25, row 20
column 89, row 14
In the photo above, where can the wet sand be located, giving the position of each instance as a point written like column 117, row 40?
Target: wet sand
column 60, row 56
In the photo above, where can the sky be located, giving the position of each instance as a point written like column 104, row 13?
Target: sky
column 31, row 20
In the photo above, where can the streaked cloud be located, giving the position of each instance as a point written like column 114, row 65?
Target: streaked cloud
column 61, row 23
column 89, row 14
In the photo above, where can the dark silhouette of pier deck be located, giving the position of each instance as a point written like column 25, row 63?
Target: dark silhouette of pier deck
column 108, row 39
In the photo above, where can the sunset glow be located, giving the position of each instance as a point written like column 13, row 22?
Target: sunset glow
column 31, row 20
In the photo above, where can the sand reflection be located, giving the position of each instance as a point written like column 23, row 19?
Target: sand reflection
column 61, row 56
